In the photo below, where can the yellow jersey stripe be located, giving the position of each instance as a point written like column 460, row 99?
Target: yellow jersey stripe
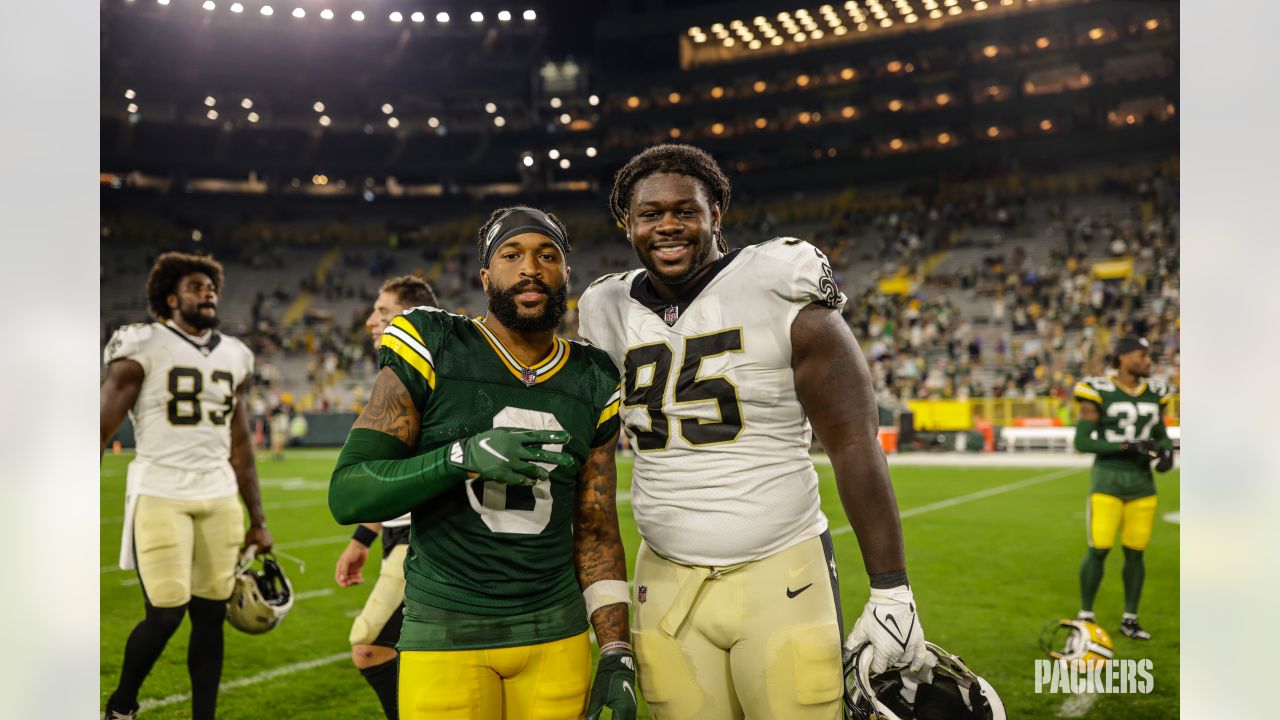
column 609, row 411
column 1088, row 393
column 403, row 323
column 409, row 355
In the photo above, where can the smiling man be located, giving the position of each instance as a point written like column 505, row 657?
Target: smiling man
column 184, row 385
column 726, row 358
column 498, row 437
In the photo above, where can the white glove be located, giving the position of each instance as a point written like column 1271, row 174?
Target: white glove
column 890, row 624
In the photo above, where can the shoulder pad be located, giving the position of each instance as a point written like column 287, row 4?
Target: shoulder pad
column 127, row 342
column 803, row 271
column 1160, row 388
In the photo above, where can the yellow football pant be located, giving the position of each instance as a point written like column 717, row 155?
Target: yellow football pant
column 187, row 547
column 548, row 681
column 1108, row 513
column 759, row 640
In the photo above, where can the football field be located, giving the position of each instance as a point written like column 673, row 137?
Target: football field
column 992, row 552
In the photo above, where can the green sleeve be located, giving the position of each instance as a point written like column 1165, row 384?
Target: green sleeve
column 1087, row 443
column 1161, row 435
column 377, row 478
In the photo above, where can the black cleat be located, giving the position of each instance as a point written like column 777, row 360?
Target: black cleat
column 1129, row 627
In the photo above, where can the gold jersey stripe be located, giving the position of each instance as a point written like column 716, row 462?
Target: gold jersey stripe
column 609, row 411
column 403, row 323
column 409, row 355
column 1088, row 393
column 543, row 370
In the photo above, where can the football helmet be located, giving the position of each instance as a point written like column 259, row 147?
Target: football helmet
column 1081, row 641
column 260, row 599
column 948, row 691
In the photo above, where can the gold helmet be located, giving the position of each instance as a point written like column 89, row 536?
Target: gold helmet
column 260, row 599
column 1081, row 641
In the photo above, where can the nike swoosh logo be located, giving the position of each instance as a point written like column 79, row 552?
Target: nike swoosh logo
column 896, row 631
column 791, row 593
column 627, row 686
column 795, row 573
column 484, row 443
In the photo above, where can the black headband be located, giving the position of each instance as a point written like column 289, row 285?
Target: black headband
column 517, row 221
column 1128, row 345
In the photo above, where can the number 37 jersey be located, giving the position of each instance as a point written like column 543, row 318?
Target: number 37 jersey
column 722, row 471
column 182, row 417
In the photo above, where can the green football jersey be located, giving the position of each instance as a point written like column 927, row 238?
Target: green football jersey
column 491, row 565
column 1125, row 416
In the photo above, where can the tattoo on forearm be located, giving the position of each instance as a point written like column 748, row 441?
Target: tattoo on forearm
column 597, row 543
column 391, row 410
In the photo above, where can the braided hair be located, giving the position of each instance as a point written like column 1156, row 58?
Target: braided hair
column 677, row 160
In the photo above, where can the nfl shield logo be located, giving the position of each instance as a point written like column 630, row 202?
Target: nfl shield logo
column 671, row 314
column 642, row 593
column 528, row 376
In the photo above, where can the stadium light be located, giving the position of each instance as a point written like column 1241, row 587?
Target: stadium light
column 895, row 105
column 527, row 160
column 209, row 101
column 776, row 40
column 944, row 138
column 418, row 17
column 247, row 104
column 393, row 122
column 993, row 131
column 477, row 16
column 553, row 153
column 433, row 122
column 555, row 103
column 530, row 15
column 979, row 6
column 130, row 94
column 357, row 16
column 490, row 108
column 717, row 128
column 266, row 10
column 253, row 117
column 299, row 13
column 1042, row 42
column 326, row 14
column 212, row 114
column 209, row 5
column 754, row 44
column 759, row 86
column 133, row 107
column 896, row 144
column 633, row 102
column 324, row 121
column 591, row 152
column 162, row 2
column 1046, row 125
column 593, row 100
column 318, row 106
column 674, row 98
column 499, row 121
column 848, row 111
column 566, row 118
column 387, row 109
column 504, row 16
column 442, row 17
column 761, row 123
column 396, row 17
column 237, row 8
column 564, row 163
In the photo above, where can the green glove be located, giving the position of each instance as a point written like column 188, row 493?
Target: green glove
column 614, row 687
column 508, row 454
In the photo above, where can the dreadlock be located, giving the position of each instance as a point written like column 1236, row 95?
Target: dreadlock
column 170, row 268
column 675, row 159
column 493, row 218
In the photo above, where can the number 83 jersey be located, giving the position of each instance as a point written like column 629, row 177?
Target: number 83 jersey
column 722, row 471
column 182, row 417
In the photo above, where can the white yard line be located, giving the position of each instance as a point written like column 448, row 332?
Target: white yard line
column 979, row 495
column 1077, row 706
column 265, row 675
column 1173, row 517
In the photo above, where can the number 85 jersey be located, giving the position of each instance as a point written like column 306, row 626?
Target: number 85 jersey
column 182, row 417
column 722, row 471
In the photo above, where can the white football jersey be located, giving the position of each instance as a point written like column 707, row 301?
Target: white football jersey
column 722, row 470
column 182, row 418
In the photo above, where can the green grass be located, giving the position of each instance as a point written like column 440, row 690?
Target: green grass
column 987, row 574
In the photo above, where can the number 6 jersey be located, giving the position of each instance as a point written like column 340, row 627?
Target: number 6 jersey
column 722, row 470
column 182, row 417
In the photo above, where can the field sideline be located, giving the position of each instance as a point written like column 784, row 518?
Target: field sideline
column 992, row 554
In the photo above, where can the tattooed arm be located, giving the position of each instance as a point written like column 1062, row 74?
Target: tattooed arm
column 378, row 477
column 247, row 472
column 597, row 542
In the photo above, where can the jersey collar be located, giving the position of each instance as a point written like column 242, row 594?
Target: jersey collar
column 643, row 291
column 540, row 371
column 204, row 345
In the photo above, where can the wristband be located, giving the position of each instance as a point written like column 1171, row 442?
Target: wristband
column 364, row 535
column 258, row 525
column 605, row 592
column 617, row 647
column 889, row 580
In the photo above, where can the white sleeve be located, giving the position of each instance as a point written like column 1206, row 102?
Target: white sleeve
column 810, row 279
column 129, row 342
